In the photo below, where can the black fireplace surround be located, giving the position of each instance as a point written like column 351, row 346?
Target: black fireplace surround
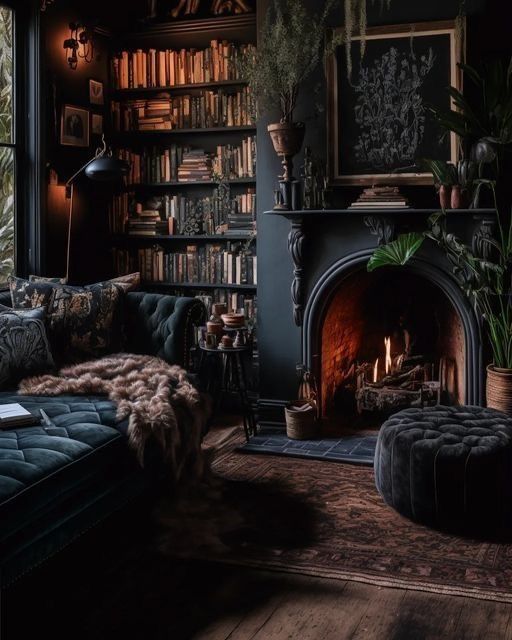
column 314, row 252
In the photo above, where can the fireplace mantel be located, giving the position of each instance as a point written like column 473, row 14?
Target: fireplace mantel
column 383, row 223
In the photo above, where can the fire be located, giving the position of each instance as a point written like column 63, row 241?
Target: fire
column 375, row 370
column 389, row 362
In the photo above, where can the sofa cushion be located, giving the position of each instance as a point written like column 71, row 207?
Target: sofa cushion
column 40, row 465
column 24, row 348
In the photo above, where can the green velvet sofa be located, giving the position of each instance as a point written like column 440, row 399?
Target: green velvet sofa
column 58, row 481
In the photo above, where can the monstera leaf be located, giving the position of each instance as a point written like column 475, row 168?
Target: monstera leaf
column 396, row 253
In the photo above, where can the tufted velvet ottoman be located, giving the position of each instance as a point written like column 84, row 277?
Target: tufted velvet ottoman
column 448, row 467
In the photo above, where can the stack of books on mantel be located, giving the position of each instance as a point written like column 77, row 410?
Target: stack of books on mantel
column 381, row 198
column 196, row 166
column 147, row 223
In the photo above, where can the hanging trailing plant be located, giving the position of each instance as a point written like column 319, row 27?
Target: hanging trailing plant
column 355, row 24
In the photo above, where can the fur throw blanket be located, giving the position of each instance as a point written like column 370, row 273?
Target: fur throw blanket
column 157, row 398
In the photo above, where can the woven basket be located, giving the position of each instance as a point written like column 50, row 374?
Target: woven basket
column 301, row 425
column 499, row 389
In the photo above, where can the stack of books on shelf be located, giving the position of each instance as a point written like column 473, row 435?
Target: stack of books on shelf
column 210, row 215
column 204, row 110
column 147, row 223
column 381, row 198
column 196, row 166
column 159, row 164
column 242, row 217
column 226, row 264
column 233, row 161
column 155, row 164
column 169, row 68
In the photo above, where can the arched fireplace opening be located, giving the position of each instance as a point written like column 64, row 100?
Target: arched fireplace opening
column 378, row 342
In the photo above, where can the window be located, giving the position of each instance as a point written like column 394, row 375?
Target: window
column 7, row 144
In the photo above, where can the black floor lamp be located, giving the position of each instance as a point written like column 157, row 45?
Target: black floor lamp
column 103, row 167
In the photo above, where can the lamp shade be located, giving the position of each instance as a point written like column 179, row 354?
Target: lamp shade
column 107, row 169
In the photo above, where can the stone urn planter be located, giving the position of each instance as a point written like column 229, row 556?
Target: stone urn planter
column 499, row 389
column 287, row 138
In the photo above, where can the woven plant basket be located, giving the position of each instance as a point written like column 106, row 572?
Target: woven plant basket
column 301, row 425
column 499, row 389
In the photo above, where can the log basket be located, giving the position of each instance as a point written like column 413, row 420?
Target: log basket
column 302, row 415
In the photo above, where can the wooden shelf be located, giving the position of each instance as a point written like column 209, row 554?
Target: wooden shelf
column 121, row 93
column 202, row 285
column 306, row 214
column 177, row 238
column 192, row 183
column 181, row 132
column 194, row 27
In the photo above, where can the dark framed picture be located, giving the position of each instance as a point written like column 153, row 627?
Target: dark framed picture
column 97, row 124
column 96, row 92
column 74, row 126
column 379, row 125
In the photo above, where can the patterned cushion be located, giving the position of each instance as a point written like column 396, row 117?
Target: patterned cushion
column 83, row 322
column 28, row 295
column 24, row 348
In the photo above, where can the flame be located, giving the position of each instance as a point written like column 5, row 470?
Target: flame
column 389, row 362
column 375, row 370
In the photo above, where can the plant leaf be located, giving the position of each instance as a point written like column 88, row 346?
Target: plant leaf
column 396, row 253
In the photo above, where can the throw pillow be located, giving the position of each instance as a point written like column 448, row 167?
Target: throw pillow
column 24, row 348
column 28, row 295
column 81, row 320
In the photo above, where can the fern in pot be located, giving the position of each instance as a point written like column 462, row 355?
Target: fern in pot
column 485, row 278
column 290, row 50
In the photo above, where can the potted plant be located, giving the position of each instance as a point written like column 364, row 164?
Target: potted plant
column 485, row 278
column 290, row 50
column 484, row 126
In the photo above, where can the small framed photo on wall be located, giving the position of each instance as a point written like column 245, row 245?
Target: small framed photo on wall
column 97, row 124
column 74, row 126
column 96, row 92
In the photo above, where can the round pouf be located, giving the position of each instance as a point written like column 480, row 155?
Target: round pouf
column 447, row 467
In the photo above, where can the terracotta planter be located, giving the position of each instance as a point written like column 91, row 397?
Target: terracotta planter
column 287, row 138
column 456, row 197
column 445, row 196
column 499, row 389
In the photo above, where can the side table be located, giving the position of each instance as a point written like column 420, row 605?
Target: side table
column 228, row 376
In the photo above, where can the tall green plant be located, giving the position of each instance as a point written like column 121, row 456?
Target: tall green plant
column 6, row 154
column 485, row 279
column 290, row 50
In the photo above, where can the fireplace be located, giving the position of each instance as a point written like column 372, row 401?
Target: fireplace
column 389, row 340
column 378, row 342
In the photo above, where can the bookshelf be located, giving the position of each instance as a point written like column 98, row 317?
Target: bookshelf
column 175, row 97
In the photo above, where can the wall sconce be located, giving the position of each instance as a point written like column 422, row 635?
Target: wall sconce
column 79, row 45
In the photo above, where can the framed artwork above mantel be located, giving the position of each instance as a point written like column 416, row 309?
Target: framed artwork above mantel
column 379, row 124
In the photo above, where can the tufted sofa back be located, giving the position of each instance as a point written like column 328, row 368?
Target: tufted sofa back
column 157, row 325
column 162, row 325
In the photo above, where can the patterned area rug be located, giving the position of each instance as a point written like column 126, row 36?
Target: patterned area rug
column 351, row 449
column 328, row 520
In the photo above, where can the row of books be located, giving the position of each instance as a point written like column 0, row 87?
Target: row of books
column 206, row 264
column 183, row 215
column 162, row 164
column 170, row 68
column 207, row 109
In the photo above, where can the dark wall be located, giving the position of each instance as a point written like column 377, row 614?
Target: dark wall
column 89, row 249
column 279, row 339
